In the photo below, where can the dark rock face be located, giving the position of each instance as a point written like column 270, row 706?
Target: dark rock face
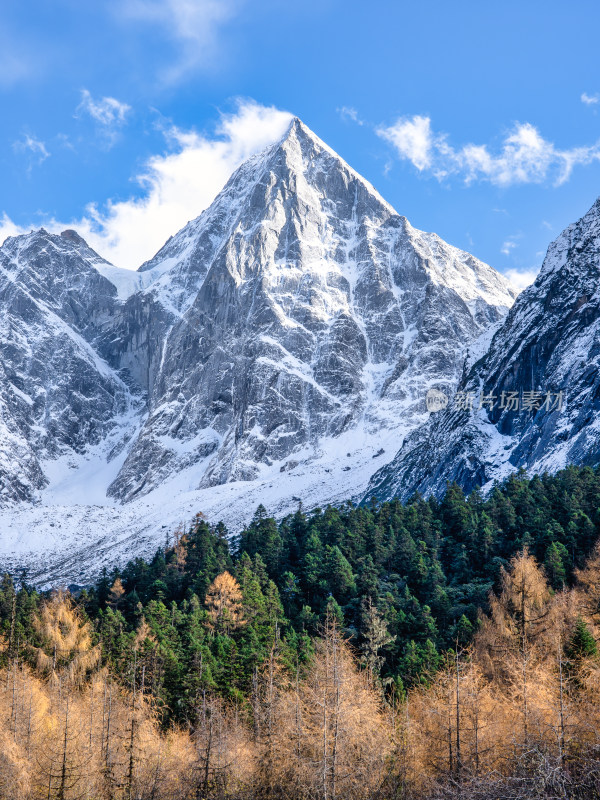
column 548, row 343
column 298, row 307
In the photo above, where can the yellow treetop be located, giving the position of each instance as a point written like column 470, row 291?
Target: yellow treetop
column 224, row 602
column 66, row 638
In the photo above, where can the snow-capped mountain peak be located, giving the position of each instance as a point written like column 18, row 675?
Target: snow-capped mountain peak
column 281, row 344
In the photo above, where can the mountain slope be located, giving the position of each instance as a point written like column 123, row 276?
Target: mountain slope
column 280, row 345
column 548, row 343
column 308, row 308
column 57, row 395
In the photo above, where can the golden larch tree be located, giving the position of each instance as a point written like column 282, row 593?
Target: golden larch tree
column 66, row 639
column 224, row 603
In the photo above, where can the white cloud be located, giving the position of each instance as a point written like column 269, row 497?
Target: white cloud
column 8, row 228
column 522, row 278
column 525, row 158
column 34, row 149
column 508, row 246
column 412, row 138
column 349, row 113
column 108, row 111
column 193, row 24
column 524, row 155
column 177, row 186
column 590, row 99
column 511, row 243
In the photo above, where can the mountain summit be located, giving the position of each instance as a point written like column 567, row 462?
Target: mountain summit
column 280, row 345
column 307, row 309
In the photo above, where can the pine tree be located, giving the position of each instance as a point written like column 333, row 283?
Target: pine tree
column 262, row 536
column 582, row 644
column 554, row 564
column 339, row 574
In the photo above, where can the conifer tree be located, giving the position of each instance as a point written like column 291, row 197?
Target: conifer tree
column 66, row 648
column 224, row 603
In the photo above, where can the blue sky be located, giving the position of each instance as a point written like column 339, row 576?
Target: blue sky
column 479, row 121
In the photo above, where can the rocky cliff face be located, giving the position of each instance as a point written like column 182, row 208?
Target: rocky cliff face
column 306, row 306
column 544, row 359
column 280, row 345
column 57, row 395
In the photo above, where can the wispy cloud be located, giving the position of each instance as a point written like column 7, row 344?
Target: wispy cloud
column 194, row 25
column 590, row 99
column 508, row 246
column 523, row 156
column 349, row 114
column 33, row 148
column 413, row 139
column 177, row 186
column 108, row 114
column 108, row 111
column 522, row 278
column 9, row 228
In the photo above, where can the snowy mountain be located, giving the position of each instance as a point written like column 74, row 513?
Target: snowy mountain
column 547, row 354
column 280, row 345
column 57, row 395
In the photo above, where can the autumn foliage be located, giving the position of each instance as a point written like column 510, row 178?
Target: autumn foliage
column 71, row 730
column 515, row 715
column 224, row 602
column 208, row 673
